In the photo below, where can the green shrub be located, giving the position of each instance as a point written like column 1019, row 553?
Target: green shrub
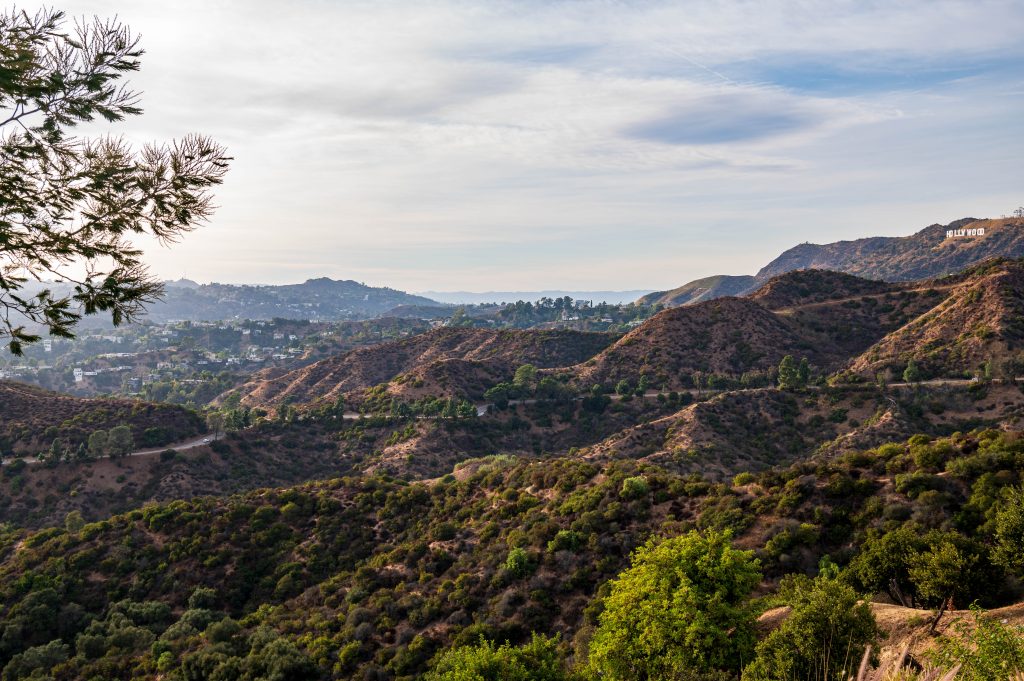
column 823, row 637
column 744, row 478
column 634, row 488
column 518, row 562
column 681, row 607
column 986, row 651
column 538, row 660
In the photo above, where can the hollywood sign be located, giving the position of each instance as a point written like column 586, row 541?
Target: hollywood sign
column 979, row 231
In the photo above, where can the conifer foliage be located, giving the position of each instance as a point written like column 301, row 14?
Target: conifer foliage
column 69, row 205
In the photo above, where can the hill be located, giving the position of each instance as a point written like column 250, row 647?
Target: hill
column 700, row 290
column 845, row 313
column 802, row 287
column 320, row 299
column 728, row 434
column 726, row 337
column 930, row 253
column 501, row 351
column 32, row 418
column 980, row 320
column 927, row 254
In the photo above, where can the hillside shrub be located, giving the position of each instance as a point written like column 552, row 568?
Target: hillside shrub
column 538, row 660
column 985, row 648
column 635, row 487
column 823, row 637
column 681, row 607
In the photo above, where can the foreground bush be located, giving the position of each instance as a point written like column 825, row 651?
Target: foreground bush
column 681, row 607
column 985, row 649
column 824, row 636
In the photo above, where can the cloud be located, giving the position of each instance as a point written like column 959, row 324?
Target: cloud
column 499, row 144
column 720, row 120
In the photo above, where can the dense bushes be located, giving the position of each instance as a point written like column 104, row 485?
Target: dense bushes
column 370, row 577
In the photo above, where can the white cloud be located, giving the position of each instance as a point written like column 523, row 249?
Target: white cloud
column 600, row 142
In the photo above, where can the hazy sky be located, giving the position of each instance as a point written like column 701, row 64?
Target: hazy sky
column 525, row 145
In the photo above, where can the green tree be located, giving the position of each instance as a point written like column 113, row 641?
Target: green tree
column 911, row 374
column 98, row 443
column 34, row 660
column 525, row 376
column 499, row 395
column 682, row 606
column 120, row 441
column 215, row 422
column 882, row 380
column 942, row 574
column 883, row 564
column 823, row 637
column 518, row 562
column 789, row 375
column 538, row 660
column 635, row 487
column 73, row 522
column 465, row 410
column 623, row 387
column 803, row 372
column 1009, row 531
column 71, row 201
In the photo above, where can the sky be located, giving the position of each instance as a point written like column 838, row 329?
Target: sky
column 520, row 145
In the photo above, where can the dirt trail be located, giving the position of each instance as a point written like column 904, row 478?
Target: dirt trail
column 876, row 296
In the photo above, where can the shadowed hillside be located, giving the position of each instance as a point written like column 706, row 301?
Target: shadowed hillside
column 846, row 313
column 31, row 418
column 803, row 287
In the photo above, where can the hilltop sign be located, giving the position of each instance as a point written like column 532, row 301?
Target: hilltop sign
column 953, row 233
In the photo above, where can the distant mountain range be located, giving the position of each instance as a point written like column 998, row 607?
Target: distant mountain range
column 931, row 252
column 472, row 298
column 320, row 299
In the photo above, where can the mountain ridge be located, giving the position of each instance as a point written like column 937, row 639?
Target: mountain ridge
column 926, row 254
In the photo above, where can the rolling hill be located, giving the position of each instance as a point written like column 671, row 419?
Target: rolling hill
column 321, row 299
column 476, row 350
column 700, row 290
column 433, row 541
column 927, row 254
column 803, row 287
column 286, row 579
column 838, row 321
column 726, row 336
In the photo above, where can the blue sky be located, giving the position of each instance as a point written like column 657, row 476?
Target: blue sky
column 526, row 145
